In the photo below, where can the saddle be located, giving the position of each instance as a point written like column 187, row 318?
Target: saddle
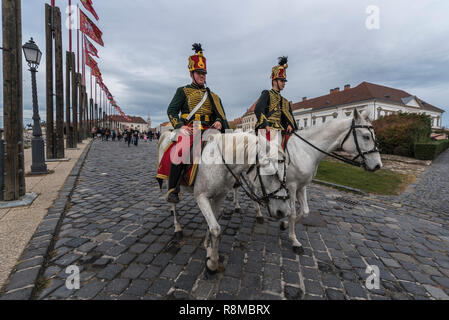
column 190, row 170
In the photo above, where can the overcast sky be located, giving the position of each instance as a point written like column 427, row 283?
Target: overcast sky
column 147, row 44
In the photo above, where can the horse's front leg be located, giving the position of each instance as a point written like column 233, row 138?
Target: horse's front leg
column 304, row 205
column 297, row 246
column 259, row 216
column 206, row 244
column 178, row 228
column 214, row 229
column 237, row 208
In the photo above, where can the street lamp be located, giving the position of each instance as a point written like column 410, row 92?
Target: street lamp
column 33, row 56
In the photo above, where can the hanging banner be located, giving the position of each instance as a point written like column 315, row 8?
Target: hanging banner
column 90, row 48
column 88, row 4
column 90, row 29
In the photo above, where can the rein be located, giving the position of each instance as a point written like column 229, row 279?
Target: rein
column 282, row 183
column 251, row 194
column 360, row 153
column 265, row 199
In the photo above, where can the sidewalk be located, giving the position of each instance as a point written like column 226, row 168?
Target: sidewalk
column 17, row 225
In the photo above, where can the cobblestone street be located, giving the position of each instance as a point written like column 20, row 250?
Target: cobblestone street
column 119, row 231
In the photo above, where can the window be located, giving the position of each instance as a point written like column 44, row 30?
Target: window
column 305, row 123
column 297, row 123
column 313, row 121
column 324, row 119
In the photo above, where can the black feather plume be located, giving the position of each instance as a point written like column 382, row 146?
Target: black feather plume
column 283, row 60
column 197, row 47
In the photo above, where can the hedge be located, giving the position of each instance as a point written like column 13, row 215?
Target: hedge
column 398, row 133
column 430, row 150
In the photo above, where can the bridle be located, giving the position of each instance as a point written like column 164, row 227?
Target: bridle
column 249, row 190
column 359, row 151
column 354, row 133
column 282, row 183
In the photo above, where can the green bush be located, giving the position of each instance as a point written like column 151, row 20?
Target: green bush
column 430, row 150
column 398, row 133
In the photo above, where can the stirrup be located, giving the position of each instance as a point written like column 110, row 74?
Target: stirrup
column 173, row 197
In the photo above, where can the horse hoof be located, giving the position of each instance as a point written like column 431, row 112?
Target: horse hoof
column 179, row 235
column 209, row 270
column 298, row 250
column 238, row 210
column 283, row 225
column 260, row 220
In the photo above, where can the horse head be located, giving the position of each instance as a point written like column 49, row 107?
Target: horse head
column 361, row 142
column 270, row 177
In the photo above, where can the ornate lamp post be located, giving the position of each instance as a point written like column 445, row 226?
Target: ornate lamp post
column 33, row 56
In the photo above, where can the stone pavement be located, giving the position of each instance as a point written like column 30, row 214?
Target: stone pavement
column 17, row 225
column 119, row 232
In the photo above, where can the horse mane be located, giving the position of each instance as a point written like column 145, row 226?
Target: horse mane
column 241, row 143
column 313, row 130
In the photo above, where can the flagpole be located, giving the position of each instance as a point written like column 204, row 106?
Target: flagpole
column 83, row 59
column 70, row 28
column 78, row 38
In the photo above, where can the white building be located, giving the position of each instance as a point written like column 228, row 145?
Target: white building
column 166, row 126
column 136, row 123
column 249, row 119
column 379, row 99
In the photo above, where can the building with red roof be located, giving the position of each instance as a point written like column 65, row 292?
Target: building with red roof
column 249, row 119
column 380, row 100
column 131, row 122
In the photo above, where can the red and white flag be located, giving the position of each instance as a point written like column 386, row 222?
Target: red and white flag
column 90, row 62
column 90, row 48
column 96, row 72
column 88, row 4
column 90, row 29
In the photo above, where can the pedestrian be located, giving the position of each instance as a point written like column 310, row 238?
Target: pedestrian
column 136, row 137
column 130, row 134
column 94, row 130
column 114, row 135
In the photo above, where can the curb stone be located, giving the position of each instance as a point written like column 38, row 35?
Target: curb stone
column 345, row 188
column 22, row 281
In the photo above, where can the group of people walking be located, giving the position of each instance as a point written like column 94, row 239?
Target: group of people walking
column 128, row 135
column 196, row 102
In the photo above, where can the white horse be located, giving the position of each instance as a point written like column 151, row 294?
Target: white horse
column 355, row 136
column 215, row 180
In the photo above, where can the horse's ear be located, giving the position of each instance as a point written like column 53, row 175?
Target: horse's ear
column 357, row 116
column 367, row 115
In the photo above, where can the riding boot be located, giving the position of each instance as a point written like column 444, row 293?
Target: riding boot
column 174, row 182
